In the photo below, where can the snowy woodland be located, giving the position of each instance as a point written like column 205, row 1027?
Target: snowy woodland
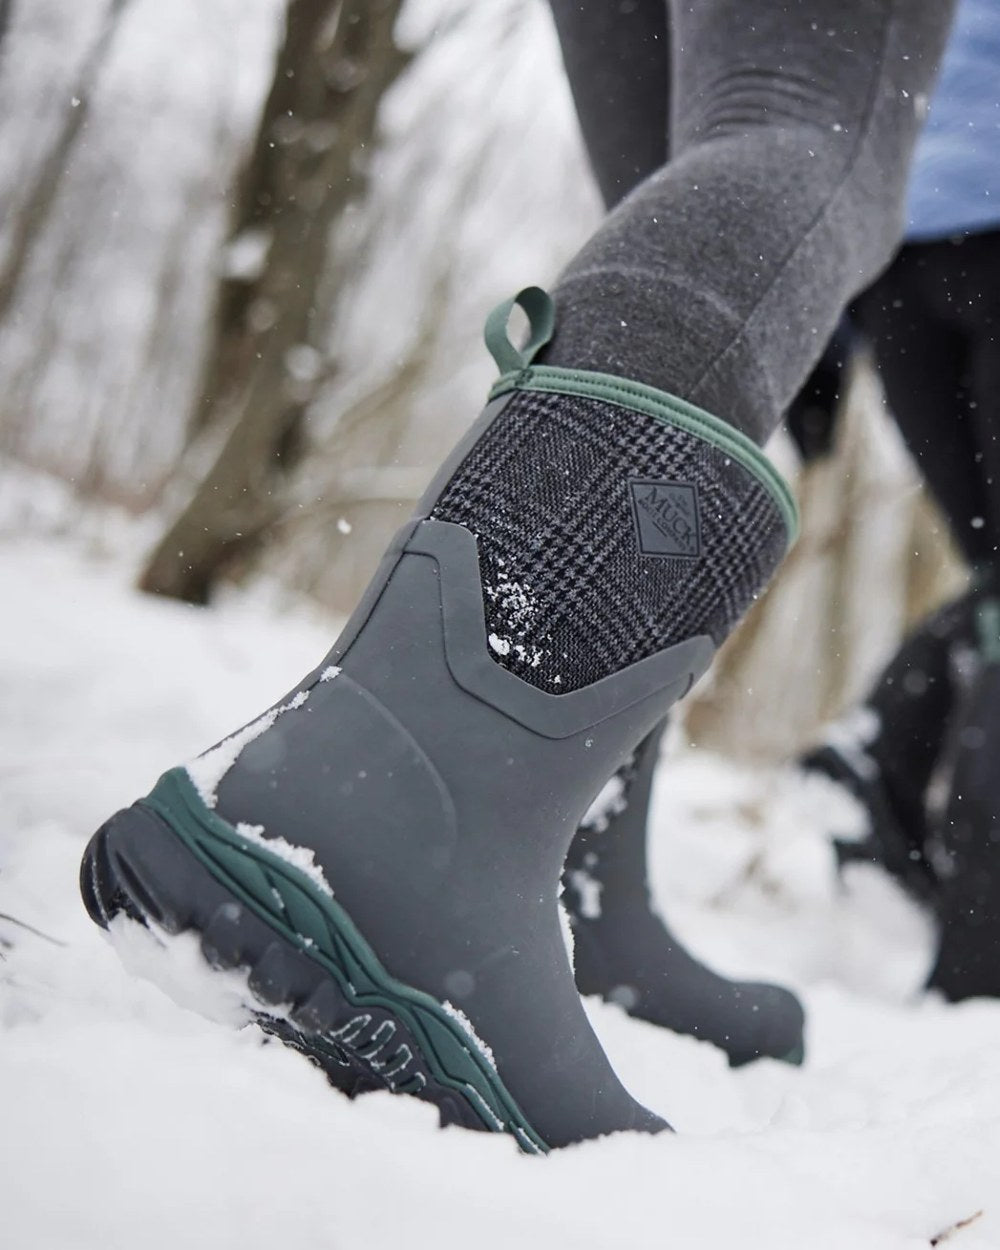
column 208, row 431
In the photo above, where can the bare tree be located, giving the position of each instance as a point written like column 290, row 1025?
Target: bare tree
column 262, row 365
column 45, row 186
column 6, row 9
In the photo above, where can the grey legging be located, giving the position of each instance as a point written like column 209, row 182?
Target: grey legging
column 762, row 148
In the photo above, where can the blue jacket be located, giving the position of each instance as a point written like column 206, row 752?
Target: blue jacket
column 955, row 182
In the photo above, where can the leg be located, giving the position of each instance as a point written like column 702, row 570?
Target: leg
column 933, row 318
column 910, row 316
column 626, row 943
column 979, row 305
column 965, row 834
column 930, row 319
column 618, row 66
column 618, row 61
column 722, row 276
column 924, row 353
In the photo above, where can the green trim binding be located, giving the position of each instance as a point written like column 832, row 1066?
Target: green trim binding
column 517, row 373
column 292, row 904
column 541, row 313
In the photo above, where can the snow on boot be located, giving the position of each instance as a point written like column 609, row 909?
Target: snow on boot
column 624, row 951
column 381, row 851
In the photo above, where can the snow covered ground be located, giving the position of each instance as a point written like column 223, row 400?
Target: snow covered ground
column 126, row 1121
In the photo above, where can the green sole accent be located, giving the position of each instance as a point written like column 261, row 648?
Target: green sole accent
column 796, row 1057
column 298, row 909
column 637, row 397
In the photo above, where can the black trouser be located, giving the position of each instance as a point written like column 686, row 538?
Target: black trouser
column 933, row 319
column 789, row 126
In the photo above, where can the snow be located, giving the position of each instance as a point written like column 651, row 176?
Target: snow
column 127, row 1120
column 174, row 963
column 516, row 608
column 513, row 600
column 500, row 645
column 300, row 857
column 208, row 769
column 588, row 890
column 609, row 802
column 851, row 735
column 463, row 1021
column 244, row 256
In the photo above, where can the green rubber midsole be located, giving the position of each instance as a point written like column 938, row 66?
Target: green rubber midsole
column 298, row 909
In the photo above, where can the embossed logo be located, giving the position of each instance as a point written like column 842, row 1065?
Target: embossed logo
column 666, row 518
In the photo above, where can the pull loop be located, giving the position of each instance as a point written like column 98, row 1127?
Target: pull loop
column 541, row 313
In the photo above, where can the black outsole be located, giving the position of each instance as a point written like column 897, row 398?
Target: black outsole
column 135, row 866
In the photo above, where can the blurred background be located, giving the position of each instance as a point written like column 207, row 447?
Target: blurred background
column 246, row 251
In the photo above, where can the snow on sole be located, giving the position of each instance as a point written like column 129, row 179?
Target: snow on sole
column 170, row 862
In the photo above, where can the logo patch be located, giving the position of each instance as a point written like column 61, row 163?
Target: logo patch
column 666, row 518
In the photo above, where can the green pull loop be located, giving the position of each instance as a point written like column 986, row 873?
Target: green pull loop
column 541, row 313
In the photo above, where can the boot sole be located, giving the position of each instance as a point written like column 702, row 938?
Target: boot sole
column 170, row 862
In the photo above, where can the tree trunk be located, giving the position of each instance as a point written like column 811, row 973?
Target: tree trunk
column 262, row 367
column 6, row 11
column 44, row 189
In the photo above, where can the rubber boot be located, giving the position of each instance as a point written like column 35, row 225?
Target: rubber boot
column 925, row 775
column 964, row 843
column 625, row 952
column 382, row 849
column 888, row 754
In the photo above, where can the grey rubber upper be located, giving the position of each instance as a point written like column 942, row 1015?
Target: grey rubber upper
column 625, row 951
column 439, row 794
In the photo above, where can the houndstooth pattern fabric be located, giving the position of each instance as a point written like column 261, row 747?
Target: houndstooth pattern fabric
column 569, row 597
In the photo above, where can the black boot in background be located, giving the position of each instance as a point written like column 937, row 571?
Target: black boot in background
column 964, row 844
column 928, row 777
column 624, row 951
column 886, row 752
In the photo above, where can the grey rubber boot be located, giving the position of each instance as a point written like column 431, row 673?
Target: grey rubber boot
column 382, row 849
column 625, row 951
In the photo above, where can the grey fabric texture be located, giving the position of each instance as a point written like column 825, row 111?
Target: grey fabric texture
column 721, row 276
column 569, row 596
column 617, row 59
